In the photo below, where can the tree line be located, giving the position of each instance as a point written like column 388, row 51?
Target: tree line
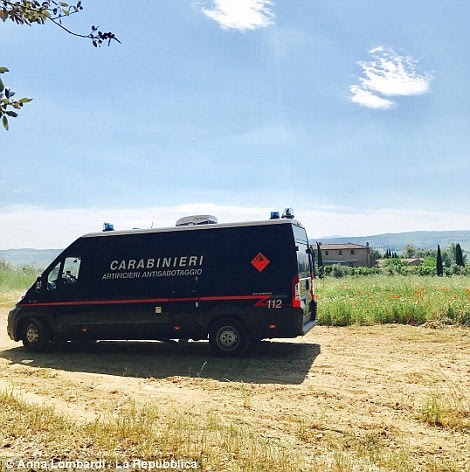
column 449, row 261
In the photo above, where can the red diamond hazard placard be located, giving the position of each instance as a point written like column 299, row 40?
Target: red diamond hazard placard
column 260, row 261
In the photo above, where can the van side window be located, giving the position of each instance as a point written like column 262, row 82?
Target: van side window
column 58, row 279
column 53, row 277
column 71, row 270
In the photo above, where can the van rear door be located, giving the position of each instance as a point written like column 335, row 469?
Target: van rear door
column 303, row 290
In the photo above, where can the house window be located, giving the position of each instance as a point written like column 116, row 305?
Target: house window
column 326, row 253
column 352, row 251
column 340, row 252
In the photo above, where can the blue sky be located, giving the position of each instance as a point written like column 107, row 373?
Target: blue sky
column 354, row 113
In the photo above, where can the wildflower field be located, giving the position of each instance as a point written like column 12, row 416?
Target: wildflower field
column 393, row 299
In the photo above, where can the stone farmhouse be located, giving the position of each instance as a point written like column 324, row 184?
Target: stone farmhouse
column 349, row 254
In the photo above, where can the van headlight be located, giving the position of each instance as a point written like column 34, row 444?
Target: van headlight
column 21, row 296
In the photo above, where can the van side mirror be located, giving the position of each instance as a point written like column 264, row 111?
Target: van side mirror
column 38, row 284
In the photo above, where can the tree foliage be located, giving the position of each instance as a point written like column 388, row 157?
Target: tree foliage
column 7, row 104
column 459, row 259
column 390, row 255
column 376, row 254
column 31, row 13
column 409, row 251
column 439, row 268
column 319, row 261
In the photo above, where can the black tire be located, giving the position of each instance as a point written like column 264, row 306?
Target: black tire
column 228, row 337
column 36, row 335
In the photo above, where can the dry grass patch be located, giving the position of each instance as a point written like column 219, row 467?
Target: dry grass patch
column 145, row 432
column 445, row 410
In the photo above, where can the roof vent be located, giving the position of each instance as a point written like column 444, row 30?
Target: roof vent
column 197, row 220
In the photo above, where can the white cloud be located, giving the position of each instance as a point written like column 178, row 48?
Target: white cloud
column 368, row 99
column 240, row 15
column 56, row 228
column 388, row 75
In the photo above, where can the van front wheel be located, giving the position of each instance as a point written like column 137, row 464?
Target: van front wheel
column 228, row 337
column 36, row 335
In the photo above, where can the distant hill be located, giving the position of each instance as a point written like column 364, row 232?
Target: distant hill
column 396, row 241
column 39, row 258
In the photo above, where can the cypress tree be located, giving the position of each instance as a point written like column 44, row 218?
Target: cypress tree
column 439, row 269
column 458, row 255
column 319, row 260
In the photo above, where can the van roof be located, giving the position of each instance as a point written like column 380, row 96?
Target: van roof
column 194, row 227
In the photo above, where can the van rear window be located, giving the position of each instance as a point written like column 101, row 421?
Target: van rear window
column 303, row 262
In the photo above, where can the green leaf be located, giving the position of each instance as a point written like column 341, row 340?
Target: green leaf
column 1, row 86
column 12, row 113
column 3, row 70
column 5, row 122
column 25, row 100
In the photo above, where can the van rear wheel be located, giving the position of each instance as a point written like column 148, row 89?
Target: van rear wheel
column 36, row 335
column 228, row 337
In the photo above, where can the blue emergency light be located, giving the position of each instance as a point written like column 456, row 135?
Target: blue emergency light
column 274, row 215
column 108, row 227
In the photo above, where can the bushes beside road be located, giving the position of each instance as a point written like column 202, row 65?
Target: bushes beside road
column 16, row 278
column 394, row 267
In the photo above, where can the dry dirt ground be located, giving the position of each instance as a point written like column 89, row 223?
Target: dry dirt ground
column 343, row 389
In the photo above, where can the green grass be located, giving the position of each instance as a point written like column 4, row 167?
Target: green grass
column 393, row 299
column 16, row 278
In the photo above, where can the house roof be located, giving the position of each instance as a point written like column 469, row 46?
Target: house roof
column 342, row 246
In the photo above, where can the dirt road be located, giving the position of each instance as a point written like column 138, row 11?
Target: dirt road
column 338, row 390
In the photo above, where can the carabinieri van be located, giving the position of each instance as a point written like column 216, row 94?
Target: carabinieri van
column 233, row 283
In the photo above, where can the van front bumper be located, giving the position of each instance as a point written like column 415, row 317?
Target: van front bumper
column 13, row 323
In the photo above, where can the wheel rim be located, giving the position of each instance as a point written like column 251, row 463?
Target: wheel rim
column 228, row 338
column 32, row 334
